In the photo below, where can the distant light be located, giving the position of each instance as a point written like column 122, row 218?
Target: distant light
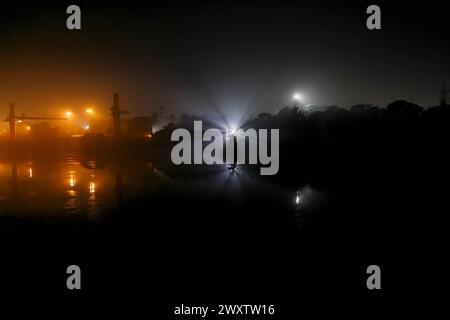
column 28, row 128
column 69, row 114
column 89, row 110
column 297, row 97
column 19, row 121
column 148, row 135
column 30, row 173
column 86, row 127
column 232, row 131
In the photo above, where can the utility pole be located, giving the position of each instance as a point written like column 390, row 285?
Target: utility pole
column 12, row 121
column 116, row 112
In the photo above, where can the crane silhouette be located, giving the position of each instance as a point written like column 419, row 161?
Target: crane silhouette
column 116, row 113
column 12, row 119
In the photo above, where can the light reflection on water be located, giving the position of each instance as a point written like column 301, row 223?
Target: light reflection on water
column 92, row 189
column 307, row 200
column 31, row 188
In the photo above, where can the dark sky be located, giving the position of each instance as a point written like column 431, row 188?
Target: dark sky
column 231, row 57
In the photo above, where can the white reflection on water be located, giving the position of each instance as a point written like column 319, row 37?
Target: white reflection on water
column 307, row 200
column 297, row 198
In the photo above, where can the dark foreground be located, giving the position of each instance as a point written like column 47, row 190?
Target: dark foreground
column 212, row 234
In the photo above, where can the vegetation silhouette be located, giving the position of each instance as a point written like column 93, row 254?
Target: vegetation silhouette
column 337, row 141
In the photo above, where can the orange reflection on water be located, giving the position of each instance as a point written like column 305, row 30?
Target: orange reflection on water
column 72, row 193
column 92, row 185
column 55, row 187
column 72, row 180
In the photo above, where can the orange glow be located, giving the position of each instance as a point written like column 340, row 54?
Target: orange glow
column 71, row 193
column 28, row 128
column 72, row 180
column 92, row 185
column 69, row 114
column 148, row 135
column 30, row 173
column 89, row 111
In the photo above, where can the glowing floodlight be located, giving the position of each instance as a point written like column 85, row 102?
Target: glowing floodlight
column 231, row 132
column 297, row 97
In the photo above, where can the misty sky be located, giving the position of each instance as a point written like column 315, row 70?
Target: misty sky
column 231, row 57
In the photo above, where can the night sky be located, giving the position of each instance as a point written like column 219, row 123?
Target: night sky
column 230, row 57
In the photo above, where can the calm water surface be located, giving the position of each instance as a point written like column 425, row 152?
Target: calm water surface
column 93, row 188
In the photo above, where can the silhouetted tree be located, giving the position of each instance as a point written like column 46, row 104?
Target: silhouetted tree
column 264, row 116
column 401, row 110
column 365, row 109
